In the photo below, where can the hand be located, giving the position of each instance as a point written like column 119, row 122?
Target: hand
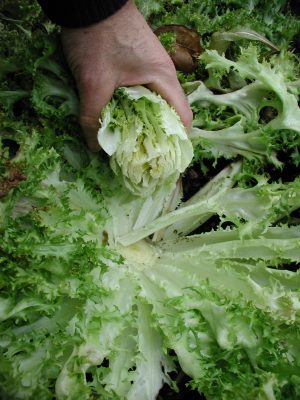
column 119, row 51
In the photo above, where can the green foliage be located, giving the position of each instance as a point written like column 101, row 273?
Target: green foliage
column 270, row 18
column 234, row 122
column 168, row 39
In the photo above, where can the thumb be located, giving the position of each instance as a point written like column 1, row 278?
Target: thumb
column 94, row 95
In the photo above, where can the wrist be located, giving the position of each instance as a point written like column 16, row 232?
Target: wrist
column 80, row 13
column 123, row 16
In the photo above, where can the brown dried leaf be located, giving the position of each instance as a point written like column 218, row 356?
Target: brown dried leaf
column 187, row 47
column 183, row 59
column 13, row 180
column 185, row 37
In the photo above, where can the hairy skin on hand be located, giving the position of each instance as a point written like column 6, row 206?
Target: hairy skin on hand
column 119, row 51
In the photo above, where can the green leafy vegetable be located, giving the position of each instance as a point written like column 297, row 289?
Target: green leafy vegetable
column 242, row 132
column 219, row 40
column 168, row 39
column 146, row 139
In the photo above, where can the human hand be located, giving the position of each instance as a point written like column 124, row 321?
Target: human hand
column 119, row 51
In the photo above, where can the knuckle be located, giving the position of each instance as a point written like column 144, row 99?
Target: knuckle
column 88, row 121
column 168, row 68
column 163, row 68
column 86, row 80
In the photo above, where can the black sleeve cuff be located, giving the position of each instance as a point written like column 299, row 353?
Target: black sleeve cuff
column 79, row 13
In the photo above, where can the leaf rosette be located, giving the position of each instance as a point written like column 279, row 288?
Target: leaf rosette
column 146, row 140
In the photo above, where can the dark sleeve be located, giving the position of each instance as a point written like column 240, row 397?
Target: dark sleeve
column 79, row 13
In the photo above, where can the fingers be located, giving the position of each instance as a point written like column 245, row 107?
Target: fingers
column 172, row 92
column 94, row 95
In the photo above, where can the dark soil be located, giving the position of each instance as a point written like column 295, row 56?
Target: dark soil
column 184, row 392
column 194, row 179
